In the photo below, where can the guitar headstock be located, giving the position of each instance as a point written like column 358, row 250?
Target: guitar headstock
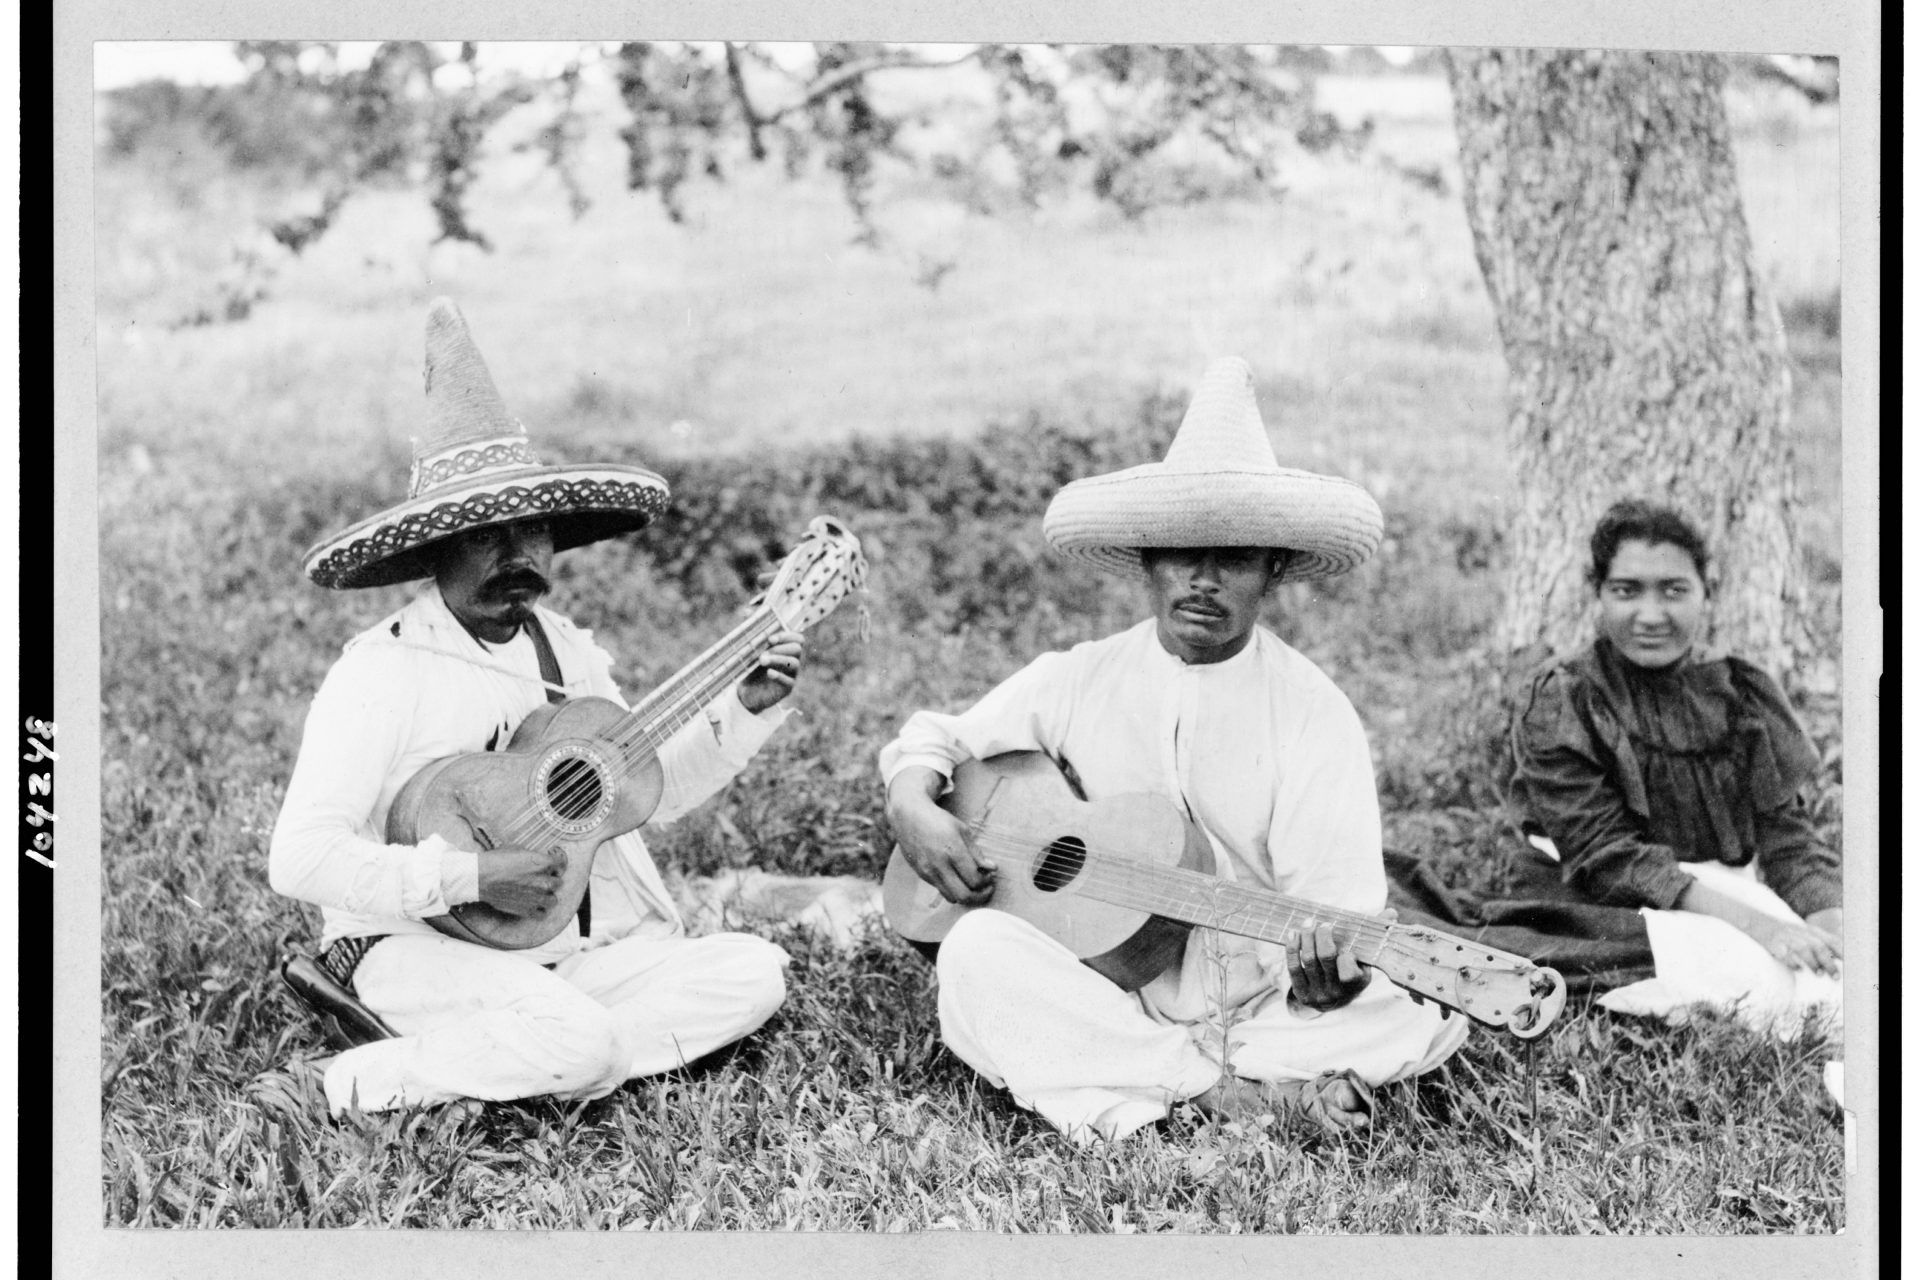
column 1488, row 985
column 823, row 567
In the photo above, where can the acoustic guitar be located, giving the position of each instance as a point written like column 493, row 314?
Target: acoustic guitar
column 578, row 773
column 1123, row 880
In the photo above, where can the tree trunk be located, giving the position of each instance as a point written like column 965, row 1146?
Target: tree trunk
column 1645, row 358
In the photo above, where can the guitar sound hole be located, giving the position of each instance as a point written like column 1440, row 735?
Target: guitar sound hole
column 1060, row 864
column 573, row 789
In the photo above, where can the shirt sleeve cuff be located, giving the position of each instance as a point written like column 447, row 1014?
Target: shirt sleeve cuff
column 459, row 874
column 1662, row 888
column 1810, row 899
column 738, row 731
column 893, row 766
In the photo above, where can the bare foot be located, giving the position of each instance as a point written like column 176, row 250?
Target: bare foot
column 1334, row 1100
column 1231, row 1098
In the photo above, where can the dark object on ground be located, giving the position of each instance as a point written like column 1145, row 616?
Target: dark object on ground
column 1595, row 948
column 345, row 1020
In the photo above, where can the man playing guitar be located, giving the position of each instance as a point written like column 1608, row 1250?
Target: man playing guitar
column 1259, row 750
column 617, row 990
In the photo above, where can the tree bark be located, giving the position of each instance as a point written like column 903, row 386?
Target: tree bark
column 1645, row 357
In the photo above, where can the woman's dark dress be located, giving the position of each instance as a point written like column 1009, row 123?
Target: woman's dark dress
column 1630, row 772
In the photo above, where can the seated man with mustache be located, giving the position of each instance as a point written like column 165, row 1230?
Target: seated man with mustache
column 1249, row 739
column 621, row 991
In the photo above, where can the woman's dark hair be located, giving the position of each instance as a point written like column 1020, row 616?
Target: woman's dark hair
column 1631, row 519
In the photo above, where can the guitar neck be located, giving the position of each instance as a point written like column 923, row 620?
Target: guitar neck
column 1211, row 902
column 661, row 713
column 1487, row 984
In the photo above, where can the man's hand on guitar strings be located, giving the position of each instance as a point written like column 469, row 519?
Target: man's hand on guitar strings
column 521, row 882
column 934, row 842
column 774, row 677
column 1322, row 973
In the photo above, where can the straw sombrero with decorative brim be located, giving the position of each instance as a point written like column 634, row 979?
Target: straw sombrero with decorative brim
column 1219, row 486
column 474, row 467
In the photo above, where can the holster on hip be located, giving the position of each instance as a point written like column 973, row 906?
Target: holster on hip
column 346, row 1021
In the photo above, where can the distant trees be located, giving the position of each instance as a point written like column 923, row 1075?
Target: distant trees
column 1113, row 119
column 1645, row 356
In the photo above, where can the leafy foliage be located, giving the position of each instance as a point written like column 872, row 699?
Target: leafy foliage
column 1125, row 120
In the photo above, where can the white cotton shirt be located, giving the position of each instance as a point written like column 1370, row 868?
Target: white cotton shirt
column 1261, row 749
column 418, row 687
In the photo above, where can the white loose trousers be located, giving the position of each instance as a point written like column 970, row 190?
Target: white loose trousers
column 474, row 1022
column 1023, row 1011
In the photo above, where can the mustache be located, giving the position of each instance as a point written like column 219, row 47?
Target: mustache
column 1202, row 603
column 521, row 579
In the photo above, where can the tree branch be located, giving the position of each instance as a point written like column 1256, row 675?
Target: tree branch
column 839, row 78
column 1819, row 88
column 755, row 146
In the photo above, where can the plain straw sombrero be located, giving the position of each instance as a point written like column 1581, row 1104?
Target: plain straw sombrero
column 1219, row 486
column 474, row 467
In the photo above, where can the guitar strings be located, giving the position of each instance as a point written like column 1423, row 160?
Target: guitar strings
column 1115, row 880
column 1030, row 847
column 530, row 822
column 682, row 694
column 1150, row 887
column 692, row 688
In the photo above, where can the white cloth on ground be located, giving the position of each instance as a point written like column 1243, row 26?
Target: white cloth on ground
column 1704, row 960
column 836, row 908
column 473, row 1022
column 1268, row 756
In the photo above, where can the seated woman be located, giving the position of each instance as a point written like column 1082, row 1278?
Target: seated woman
column 1663, row 778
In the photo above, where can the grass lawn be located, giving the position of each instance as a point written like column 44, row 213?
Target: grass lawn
column 751, row 354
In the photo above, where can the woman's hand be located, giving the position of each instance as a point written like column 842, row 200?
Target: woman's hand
column 773, row 679
column 1798, row 945
column 1828, row 922
column 934, row 842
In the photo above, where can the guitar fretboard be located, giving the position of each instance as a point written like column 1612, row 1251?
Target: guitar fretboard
column 1189, row 896
column 661, row 713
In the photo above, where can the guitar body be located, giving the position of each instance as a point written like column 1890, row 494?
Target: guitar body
column 560, row 782
column 1039, row 833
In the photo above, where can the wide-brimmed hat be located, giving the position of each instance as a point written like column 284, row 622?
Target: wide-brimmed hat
column 474, row 467
column 1219, row 486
